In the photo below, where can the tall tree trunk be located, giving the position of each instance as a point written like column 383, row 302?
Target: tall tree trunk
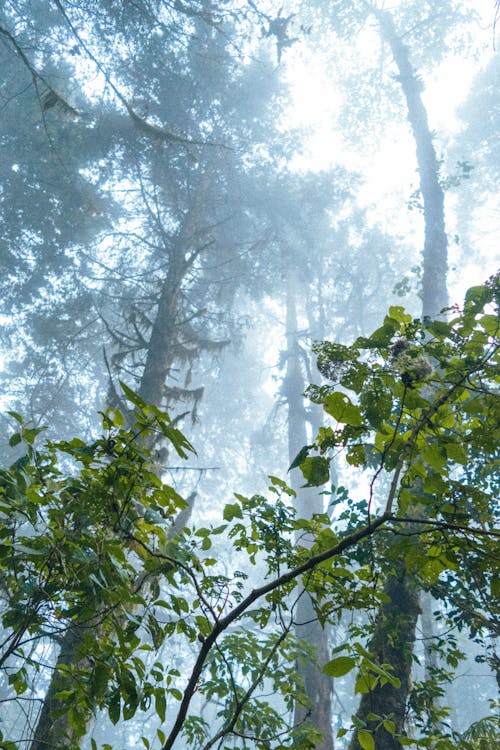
column 53, row 729
column 435, row 254
column 392, row 642
column 397, row 620
column 318, row 687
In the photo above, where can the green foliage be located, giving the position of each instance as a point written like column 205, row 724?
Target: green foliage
column 425, row 406
column 88, row 543
column 481, row 735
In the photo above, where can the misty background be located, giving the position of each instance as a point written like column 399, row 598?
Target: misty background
column 192, row 193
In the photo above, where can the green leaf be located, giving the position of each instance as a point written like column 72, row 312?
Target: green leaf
column 63, row 695
column 456, row 452
column 231, row 511
column 356, row 455
column 132, row 396
column 277, row 482
column 365, row 739
column 339, row 667
column 300, row 457
column 490, row 323
column 365, row 683
column 341, row 408
column 381, row 337
column 316, row 470
column 129, row 709
column 16, row 416
column 495, row 588
column 114, row 707
column 398, row 313
column 15, row 439
column 181, row 444
column 390, row 726
column 160, row 703
column 30, row 435
column 475, row 299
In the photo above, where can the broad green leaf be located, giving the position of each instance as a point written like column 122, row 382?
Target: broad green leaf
column 456, row 452
column 356, row 455
column 15, row 439
column 339, row 572
column 316, row 470
column 129, row 709
column 341, row 408
column 398, row 313
column 231, row 511
column 277, row 482
column 475, row 299
column 339, row 667
column 63, row 695
column 434, row 456
column 365, row 739
column 114, row 707
column 16, row 416
column 365, row 683
column 491, row 324
column 132, row 396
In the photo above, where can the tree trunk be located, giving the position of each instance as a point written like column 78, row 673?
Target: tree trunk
column 435, row 255
column 392, row 642
column 318, row 687
column 394, row 635
column 53, row 728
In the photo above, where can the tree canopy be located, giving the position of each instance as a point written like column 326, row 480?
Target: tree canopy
column 230, row 233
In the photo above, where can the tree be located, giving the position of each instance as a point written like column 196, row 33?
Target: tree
column 146, row 277
column 63, row 551
column 157, row 303
column 425, row 27
column 394, row 627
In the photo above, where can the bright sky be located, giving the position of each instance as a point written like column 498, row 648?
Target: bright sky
column 390, row 170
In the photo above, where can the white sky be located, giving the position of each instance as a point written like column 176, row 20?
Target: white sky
column 389, row 170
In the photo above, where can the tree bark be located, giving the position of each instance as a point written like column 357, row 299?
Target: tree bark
column 318, row 687
column 435, row 254
column 392, row 643
column 394, row 635
column 52, row 730
column 53, row 727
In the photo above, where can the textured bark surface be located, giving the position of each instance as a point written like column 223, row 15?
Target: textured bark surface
column 394, row 635
column 392, row 643
column 318, row 687
column 53, row 732
column 435, row 255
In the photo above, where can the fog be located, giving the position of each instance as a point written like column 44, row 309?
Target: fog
column 194, row 195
